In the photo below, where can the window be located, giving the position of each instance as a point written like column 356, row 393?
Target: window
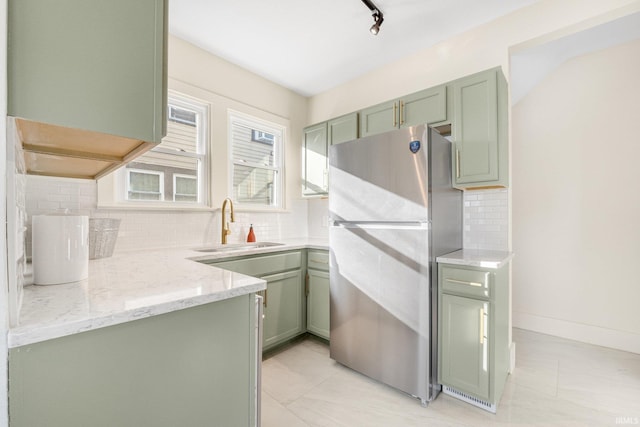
column 175, row 171
column 256, row 161
column 185, row 188
column 145, row 185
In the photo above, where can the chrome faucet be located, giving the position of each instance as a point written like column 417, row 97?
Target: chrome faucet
column 225, row 225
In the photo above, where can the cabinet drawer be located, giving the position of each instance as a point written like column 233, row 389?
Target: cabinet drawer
column 318, row 260
column 264, row 264
column 465, row 281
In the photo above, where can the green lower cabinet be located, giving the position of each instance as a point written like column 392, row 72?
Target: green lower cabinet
column 473, row 333
column 191, row 367
column 464, row 344
column 318, row 303
column 282, row 308
column 283, row 299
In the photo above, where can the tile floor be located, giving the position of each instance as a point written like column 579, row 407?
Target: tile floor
column 557, row 382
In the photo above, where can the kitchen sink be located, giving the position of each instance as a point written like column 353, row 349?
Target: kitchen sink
column 238, row 247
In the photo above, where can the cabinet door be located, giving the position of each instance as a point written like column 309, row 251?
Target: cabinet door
column 475, row 128
column 318, row 303
column 427, row 106
column 282, row 307
column 465, row 359
column 93, row 65
column 315, row 160
column 183, row 368
column 343, row 129
column 379, row 118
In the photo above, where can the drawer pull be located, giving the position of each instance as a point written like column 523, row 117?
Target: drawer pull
column 319, row 262
column 464, row 283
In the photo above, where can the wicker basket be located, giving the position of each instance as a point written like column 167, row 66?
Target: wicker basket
column 103, row 233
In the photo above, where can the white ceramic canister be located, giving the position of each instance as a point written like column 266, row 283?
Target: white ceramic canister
column 60, row 248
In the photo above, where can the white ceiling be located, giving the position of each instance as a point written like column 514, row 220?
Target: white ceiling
column 311, row 46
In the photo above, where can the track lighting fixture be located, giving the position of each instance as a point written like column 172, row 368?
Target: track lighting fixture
column 378, row 17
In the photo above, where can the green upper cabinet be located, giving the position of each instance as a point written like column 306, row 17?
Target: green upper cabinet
column 479, row 130
column 379, row 118
column 424, row 107
column 317, row 140
column 87, row 82
column 316, row 172
column 89, row 64
column 343, row 129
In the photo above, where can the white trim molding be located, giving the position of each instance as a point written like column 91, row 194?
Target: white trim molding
column 612, row 338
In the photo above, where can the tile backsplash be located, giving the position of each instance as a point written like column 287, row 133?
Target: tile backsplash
column 485, row 222
column 16, row 222
column 486, row 219
column 150, row 229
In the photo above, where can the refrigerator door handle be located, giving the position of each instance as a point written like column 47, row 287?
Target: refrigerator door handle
column 423, row 225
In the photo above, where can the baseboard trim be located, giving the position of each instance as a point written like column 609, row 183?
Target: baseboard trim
column 612, row 338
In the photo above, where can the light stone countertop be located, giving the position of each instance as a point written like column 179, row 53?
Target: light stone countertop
column 135, row 285
column 477, row 258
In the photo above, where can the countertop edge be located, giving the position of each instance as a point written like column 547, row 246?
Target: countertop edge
column 477, row 258
column 17, row 338
column 34, row 331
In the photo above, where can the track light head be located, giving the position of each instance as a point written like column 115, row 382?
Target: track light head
column 378, row 18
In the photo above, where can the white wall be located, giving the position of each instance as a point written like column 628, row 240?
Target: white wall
column 223, row 86
column 576, row 204
column 228, row 86
column 482, row 48
column 479, row 49
column 151, row 229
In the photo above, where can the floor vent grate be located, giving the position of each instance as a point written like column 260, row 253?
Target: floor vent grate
column 491, row 407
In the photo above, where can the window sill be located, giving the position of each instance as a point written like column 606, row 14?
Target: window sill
column 154, row 207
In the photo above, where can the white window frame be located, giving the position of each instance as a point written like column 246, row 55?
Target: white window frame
column 146, row 172
column 279, row 132
column 202, row 109
column 175, row 179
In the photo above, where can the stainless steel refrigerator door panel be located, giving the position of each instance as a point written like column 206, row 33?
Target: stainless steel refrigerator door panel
column 380, row 304
column 379, row 178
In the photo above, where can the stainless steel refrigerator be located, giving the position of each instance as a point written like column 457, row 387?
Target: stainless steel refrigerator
column 392, row 212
